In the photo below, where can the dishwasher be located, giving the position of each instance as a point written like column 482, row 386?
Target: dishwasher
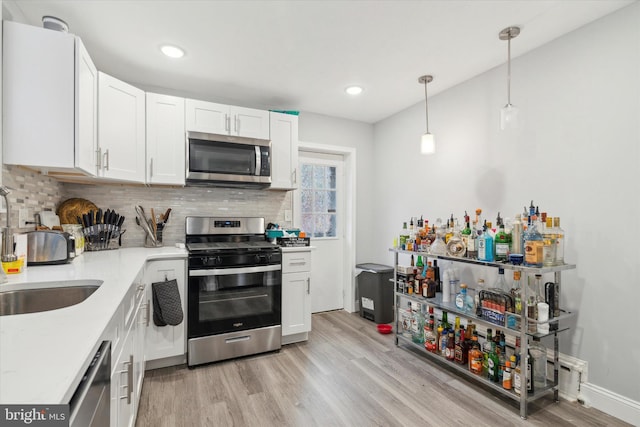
column 90, row 405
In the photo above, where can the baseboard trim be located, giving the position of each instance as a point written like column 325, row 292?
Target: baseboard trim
column 609, row 402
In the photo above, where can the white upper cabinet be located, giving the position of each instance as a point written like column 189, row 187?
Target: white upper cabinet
column 86, row 143
column 49, row 101
column 208, row 117
column 121, row 130
column 166, row 143
column 284, row 151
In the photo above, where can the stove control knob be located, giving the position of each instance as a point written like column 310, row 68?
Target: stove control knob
column 257, row 257
column 205, row 260
column 218, row 260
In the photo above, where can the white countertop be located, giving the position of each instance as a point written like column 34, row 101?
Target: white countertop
column 41, row 354
column 296, row 248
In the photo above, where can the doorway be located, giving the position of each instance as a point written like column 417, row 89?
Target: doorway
column 323, row 208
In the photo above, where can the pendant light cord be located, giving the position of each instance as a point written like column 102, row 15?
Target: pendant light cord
column 509, row 69
column 426, row 105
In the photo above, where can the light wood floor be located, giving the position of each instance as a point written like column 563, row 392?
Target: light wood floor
column 347, row 374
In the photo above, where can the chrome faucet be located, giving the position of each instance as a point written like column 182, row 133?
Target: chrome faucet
column 8, row 254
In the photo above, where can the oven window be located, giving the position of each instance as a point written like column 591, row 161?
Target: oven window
column 237, row 296
column 221, row 157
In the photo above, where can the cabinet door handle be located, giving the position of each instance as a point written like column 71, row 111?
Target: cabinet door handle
column 129, row 385
column 308, row 285
column 151, row 167
column 227, row 123
column 99, row 158
column 130, row 379
column 148, row 312
column 294, row 176
column 236, row 124
column 106, row 160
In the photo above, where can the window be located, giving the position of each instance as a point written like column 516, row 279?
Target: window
column 318, row 200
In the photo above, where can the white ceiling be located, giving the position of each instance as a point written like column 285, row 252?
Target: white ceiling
column 300, row 55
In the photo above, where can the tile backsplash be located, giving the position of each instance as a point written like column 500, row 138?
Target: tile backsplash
column 30, row 190
column 39, row 192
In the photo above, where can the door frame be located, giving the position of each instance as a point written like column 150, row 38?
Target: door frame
column 349, row 156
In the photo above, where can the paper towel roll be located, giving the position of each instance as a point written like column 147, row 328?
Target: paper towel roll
column 543, row 316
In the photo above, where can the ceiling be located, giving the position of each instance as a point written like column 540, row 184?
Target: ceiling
column 301, row 55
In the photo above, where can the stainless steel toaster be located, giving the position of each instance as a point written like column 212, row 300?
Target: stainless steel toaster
column 46, row 247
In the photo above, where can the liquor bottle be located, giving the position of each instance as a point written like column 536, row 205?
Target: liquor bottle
column 506, row 375
column 478, row 223
column 403, row 238
column 559, row 232
column 516, row 291
column 502, row 244
column 436, row 276
column 516, row 236
column 417, row 324
column 465, row 234
column 430, row 335
column 450, row 351
column 463, row 301
column 549, row 245
column 438, row 247
column 486, row 350
column 539, row 360
column 475, row 356
column 455, row 244
column 461, row 349
column 533, row 244
column 493, row 363
column 439, row 336
column 517, row 377
column 479, row 288
column 485, row 245
column 444, row 340
column 450, row 226
column 445, row 321
column 501, row 284
column 419, row 263
column 502, row 356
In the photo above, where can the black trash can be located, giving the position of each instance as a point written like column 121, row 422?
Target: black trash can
column 376, row 292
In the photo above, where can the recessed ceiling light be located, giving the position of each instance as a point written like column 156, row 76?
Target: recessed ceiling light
column 353, row 90
column 172, row 51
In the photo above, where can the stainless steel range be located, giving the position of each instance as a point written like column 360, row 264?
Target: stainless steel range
column 234, row 291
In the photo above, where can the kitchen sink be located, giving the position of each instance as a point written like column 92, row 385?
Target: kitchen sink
column 46, row 296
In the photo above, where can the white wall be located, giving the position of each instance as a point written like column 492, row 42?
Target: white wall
column 321, row 129
column 577, row 156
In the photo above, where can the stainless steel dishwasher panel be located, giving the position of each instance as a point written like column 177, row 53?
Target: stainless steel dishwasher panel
column 90, row 406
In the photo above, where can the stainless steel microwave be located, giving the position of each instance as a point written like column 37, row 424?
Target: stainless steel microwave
column 227, row 161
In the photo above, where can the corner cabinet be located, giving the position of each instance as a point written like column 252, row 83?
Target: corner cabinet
column 555, row 325
column 165, row 345
column 121, row 131
column 296, row 294
column 165, row 140
column 49, row 101
column 221, row 119
column 284, row 151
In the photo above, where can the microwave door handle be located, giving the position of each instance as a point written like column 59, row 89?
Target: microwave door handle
column 258, row 160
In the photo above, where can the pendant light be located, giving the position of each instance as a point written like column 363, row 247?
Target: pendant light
column 509, row 113
column 428, row 143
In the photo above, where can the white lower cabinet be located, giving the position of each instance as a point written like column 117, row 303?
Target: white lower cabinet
column 127, row 356
column 296, row 295
column 165, row 344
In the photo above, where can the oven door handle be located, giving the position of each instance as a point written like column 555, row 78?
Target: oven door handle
column 230, row 271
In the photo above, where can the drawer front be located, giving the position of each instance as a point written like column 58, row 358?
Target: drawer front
column 296, row 261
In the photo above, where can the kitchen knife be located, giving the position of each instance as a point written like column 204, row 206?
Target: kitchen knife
column 99, row 216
